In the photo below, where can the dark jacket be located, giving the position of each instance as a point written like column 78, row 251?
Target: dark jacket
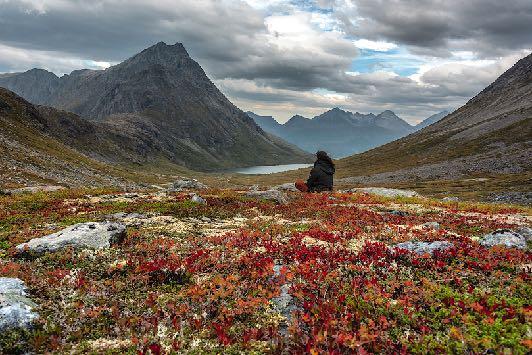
column 321, row 176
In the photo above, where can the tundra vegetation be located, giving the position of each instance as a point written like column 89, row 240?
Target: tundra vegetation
column 235, row 273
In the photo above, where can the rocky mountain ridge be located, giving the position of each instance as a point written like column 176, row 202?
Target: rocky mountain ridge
column 341, row 133
column 162, row 99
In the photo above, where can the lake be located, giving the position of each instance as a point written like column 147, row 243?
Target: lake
column 268, row 169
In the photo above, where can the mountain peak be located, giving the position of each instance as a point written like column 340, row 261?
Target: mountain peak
column 387, row 114
column 162, row 54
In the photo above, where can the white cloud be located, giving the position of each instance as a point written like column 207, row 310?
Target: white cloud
column 18, row 59
column 378, row 46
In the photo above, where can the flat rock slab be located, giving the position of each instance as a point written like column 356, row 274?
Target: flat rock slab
column 91, row 235
column 270, row 195
column 425, row 247
column 385, row 192
column 16, row 309
column 508, row 238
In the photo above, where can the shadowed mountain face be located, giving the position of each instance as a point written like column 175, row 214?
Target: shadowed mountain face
column 491, row 134
column 338, row 132
column 162, row 98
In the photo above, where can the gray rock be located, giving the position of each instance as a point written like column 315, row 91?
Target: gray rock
column 271, row 195
column 424, row 247
column 198, row 199
column 191, row 184
column 431, row 225
column 289, row 186
column 385, row 192
column 16, row 309
column 92, row 235
column 508, row 238
column 450, row 199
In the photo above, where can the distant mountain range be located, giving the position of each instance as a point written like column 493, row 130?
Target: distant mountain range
column 490, row 136
column 157, row 107
column 342, row 133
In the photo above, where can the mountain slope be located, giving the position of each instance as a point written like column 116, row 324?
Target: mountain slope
column 491, row 134
column 430, row 120
column 163, row 95
column 35, row 148
column 340, row 133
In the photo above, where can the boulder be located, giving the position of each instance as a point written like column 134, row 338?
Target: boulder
column 425, row 247
column 191, row 184
column 289, row 186
column 385, row 192
column 508, row 238
column 198, row 199
column 270, row 195
column 92, row 235
column 16, row 309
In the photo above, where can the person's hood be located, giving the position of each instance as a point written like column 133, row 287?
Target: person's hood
column 325, row 166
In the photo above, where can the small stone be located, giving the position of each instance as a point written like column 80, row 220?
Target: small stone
column 425, row 247
column 198, row 199
column 92, row 235
column 16, row 309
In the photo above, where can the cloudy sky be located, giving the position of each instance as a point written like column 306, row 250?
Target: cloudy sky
column 286, row 57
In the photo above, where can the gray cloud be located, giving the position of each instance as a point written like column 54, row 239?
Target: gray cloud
column 490, row 28
column 278, row 62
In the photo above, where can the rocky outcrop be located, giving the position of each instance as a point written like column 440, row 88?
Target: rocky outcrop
column 16, row 309
column 92, row 235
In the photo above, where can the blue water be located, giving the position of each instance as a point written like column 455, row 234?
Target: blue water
column 268, row 169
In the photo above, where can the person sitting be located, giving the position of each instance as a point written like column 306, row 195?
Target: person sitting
column 321, row 175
